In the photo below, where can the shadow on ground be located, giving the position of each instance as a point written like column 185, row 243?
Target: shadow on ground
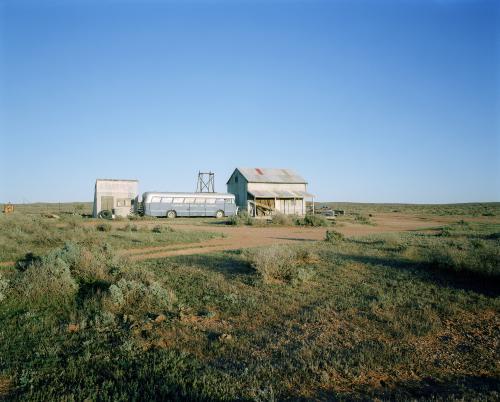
column 229, row 263
column 488, row 286
column 455, row 388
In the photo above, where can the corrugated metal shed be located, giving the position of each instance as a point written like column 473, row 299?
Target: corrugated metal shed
column 266, row 175
column 279, row 194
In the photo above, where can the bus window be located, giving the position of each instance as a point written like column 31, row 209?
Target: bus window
column 228, row 200
column 166, row 200
column 188, row 200
column 155, row 199
column 210, row 200
column 178, row 200
column 220, row 200
column 199, row 201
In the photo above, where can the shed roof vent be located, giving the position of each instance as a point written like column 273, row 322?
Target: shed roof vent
column 259, row 171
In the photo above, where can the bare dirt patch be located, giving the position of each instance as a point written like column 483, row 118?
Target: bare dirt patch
column 255, row 236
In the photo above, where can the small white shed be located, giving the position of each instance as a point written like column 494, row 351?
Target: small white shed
column 263, row 191
column 117, row 196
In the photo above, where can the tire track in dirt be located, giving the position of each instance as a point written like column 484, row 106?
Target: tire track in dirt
column 254, row 236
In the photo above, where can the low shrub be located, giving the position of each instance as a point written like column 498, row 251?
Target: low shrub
column 305, row 255
column 280, row 263
column 282, row 219
column 162, row 229
column 46, row 282
column 130, row 297
column 364, row 220
column 468, row 259
column 130, row 228
column 333, row 236
column 313, row 220
column 73, row 273
column 242, row 218
column 273, row 263
column 445, row 232
column 104, row 227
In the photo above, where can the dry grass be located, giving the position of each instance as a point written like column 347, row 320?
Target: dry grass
column 374, row 318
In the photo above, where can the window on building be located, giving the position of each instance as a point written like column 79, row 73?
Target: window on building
column 236, row 179
column 123, row 202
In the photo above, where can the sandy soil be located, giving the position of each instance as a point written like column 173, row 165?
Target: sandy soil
column 250, row 236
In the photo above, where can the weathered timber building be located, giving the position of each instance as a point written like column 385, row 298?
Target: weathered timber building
column 262, row 191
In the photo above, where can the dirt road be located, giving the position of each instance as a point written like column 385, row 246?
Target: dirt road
column 254, row 236
column 237, row 237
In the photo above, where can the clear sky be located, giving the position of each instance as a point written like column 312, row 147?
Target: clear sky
column 376, row 101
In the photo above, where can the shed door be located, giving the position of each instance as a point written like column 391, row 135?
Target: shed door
column 106, row 203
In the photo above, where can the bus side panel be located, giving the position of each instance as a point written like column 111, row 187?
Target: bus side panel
column 230, row 209
column 155, row 209
column 211, row 209
column 180, row 208
column 197, row 209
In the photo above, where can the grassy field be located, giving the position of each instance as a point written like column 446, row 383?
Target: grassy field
column 391, row 316
column 35, row 233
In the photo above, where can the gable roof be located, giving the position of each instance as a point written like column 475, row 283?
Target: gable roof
column 267, row 175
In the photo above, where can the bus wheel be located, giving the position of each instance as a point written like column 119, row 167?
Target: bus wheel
column 171, row 214
column 219, row 214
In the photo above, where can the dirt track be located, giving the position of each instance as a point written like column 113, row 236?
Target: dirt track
column 237, row 237
column 254, row 236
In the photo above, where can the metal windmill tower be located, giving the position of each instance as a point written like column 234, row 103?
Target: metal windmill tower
column 206, row 182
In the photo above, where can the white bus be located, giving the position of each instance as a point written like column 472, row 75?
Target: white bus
column 172, row 205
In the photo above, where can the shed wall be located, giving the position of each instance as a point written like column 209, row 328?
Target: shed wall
column 238, row 188
column 118, row 189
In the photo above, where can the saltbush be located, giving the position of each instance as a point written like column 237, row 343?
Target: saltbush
column 242, row 218
column 467, row 259
column 130, row 228
column 46, row 282
column 333, row 236
column 104, row 227
column 282, row 219
column 162, row 229
column 131, row 296
column 362, row 219
column 313, row 220
column 280, row 263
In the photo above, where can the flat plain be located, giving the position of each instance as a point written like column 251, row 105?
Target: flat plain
column 390, row 301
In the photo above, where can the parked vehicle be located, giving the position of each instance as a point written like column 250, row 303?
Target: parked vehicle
column 172, row 205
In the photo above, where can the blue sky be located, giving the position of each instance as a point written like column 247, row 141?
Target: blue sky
column 373, row 101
